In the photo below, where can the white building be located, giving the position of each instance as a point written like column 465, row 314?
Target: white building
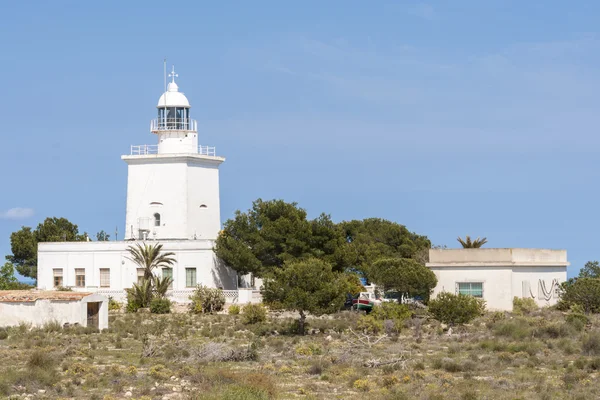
column 499, row 275
column 41, row 307
column 172, row 198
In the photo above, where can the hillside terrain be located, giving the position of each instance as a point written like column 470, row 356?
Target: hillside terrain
column 542, row 355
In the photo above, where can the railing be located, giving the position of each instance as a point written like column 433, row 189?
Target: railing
column 145, row 149
column 173, row 124
column 179, row 296
column 207, row 151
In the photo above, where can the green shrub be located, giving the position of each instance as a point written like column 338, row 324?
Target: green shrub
column 555, row 330
column 234, row 309
column 206, row 300
column 582, row 292
column 113, row 305
column 524, row 306
column 369, row 324
column 132, row 306
column 52, row 326
column 139, row 296
column 517, row 329
column 577, row 321
column 64, row 289
column 160, row 306
column 391, row 310
column 3, row 334
column 253, row 314
column 591, row 344
column 455, row 309
column 40, row 359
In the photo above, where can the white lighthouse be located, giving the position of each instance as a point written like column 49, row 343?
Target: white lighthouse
column 173, row 186
column 172, row 199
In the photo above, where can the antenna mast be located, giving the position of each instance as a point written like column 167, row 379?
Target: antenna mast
column 165, row 93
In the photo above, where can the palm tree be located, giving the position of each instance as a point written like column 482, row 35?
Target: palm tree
column 149, row 257
column 467, row 243
column 161, row 285
column 140, row 295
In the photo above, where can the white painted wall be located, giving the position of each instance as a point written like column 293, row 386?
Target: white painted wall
column 177, row 142
column 123, row 272
column 40, row 312
column 502, row 272
column 203, row 190
column 180, row 183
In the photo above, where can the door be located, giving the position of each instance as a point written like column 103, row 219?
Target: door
column 93, row 309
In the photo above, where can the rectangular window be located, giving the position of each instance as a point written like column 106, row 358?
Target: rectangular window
column 168, row 272
column 58, row 277
column 79, row 277
column 104, row 277
column 190, row 277
column 474, row 289
column 140, row 275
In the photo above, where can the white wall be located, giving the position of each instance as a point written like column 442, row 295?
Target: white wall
column 41, row 312
column 162, row 181
column 533, row 275
column 203, row 189
column 181, row 183
column 500, row 284
column 123, row 272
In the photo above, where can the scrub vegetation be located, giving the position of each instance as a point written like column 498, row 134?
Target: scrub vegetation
column 396, row 352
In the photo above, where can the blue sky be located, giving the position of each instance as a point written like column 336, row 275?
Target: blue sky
column 452, row 118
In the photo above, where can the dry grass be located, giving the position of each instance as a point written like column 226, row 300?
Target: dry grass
column 533, row 356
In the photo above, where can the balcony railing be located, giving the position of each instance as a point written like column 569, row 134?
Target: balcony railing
column 146, row 149
column 173, row 124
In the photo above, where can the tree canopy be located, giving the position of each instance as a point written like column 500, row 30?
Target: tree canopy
column 373, row 239
column 305, row 286
column 591, row 269
column 403, row 275
column 274, row 232
column 24, row 242
column 584, row 292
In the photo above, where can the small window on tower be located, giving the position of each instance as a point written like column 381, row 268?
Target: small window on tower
column 203, row 206
column 157, row 219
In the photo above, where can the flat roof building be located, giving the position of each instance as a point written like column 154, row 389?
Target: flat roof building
column 499, row 275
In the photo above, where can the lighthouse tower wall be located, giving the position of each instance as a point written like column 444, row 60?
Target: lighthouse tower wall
column 172, row 199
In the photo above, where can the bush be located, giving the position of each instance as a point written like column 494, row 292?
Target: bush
column 160, row 306
column 253, row 314
column 64, row 289
column 113, row 305
column 577, row 321
column 582, row 292
column 369, row 324
column 3, row 334
column 40, row 359
column 393, row 316
column 516, row 329
column 456, row 309
column 391, row 310
column 591, row 344
column 206, row 300
column 524, row 306
column 234, row 309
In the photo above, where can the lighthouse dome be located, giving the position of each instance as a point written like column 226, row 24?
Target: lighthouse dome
column 173, row 97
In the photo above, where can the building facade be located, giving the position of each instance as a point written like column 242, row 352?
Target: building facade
column 499, row 275
column 41, row 307
column 172, row 199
